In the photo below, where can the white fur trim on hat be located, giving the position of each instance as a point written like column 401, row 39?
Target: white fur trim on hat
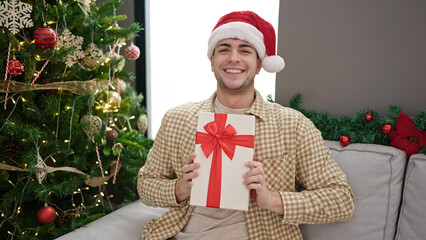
column 238, row 30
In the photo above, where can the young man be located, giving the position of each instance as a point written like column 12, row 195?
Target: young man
column 289, row 152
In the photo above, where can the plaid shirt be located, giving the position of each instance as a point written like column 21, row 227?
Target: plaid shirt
column 291, row 151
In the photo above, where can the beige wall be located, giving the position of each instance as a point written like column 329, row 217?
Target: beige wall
column 345, row 55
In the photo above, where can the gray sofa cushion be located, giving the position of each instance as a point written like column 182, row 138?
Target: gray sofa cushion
column 125, row 223
column 413, row 209
column 375, row 174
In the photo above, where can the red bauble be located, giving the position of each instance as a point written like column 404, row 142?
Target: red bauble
column 45, row 37
column 386, row 128
column 344, row 140
column 15, row 67
column 132, row 52
column 46, row 215
column 368, row 117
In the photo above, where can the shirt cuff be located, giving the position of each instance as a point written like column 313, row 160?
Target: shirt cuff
column 294, row 204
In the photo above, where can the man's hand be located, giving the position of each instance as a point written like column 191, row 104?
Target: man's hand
column 254, row 179
column 183, row 185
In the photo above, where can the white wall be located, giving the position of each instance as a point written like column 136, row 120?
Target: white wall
column 178, row 70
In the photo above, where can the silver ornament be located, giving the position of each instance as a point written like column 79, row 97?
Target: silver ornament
column 142, row 123
column 40, row 169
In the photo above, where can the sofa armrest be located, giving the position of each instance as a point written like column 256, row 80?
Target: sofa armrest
column 124, row 223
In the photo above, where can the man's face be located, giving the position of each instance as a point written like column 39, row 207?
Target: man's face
column 235, row 64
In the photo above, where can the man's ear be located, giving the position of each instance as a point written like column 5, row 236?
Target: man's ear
column 259, row 65
column 211, row 62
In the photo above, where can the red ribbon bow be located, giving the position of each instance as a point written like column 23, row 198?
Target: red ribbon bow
column 218, row 138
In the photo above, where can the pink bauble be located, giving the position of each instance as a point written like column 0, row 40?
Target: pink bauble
column 132, row 52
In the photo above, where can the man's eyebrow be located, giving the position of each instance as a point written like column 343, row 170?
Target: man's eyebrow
column 246, row 45
column 224, row 45
column 243, row 45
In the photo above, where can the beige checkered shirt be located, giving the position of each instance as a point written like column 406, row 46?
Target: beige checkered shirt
column 292, row 152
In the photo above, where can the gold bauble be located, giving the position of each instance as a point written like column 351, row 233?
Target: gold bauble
column 95, row 124
column 113, row 98
column 93, row 56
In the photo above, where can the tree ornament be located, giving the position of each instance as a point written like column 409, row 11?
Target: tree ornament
column 15, row 15
column 142, row 123
column 111, row 136
column 344, row 140
column 15, row 68
column 67, row 40
column 65, row 219
column 386, row 128
column 95, row 124
column 12, row 150
column 114, row 98
column 368, row 117
column 46, row 215
column 93, row 56
column 45, row 37
column 132, row 52
column 40, row 169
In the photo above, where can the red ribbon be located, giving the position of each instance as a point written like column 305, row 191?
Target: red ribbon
column 218, row 138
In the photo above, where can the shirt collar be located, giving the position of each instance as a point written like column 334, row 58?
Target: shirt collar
column 257, row 108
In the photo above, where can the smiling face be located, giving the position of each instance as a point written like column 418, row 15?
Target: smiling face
column 235, row 64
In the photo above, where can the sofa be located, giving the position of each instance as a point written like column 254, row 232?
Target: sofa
column 389, row 190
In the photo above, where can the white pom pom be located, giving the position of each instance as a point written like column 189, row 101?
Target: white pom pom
column 273, row 63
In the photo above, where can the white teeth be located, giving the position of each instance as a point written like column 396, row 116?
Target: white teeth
column 233, row 71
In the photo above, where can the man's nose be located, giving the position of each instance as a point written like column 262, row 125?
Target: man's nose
column 234, row 56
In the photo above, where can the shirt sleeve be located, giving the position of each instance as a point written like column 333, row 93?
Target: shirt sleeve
column 157, row 178
column 327, row 196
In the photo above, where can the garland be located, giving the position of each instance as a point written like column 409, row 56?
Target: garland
column 367, row 126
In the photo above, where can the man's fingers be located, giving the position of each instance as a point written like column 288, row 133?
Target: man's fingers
column 190, row 167
column 190, row 158
column 189, row 176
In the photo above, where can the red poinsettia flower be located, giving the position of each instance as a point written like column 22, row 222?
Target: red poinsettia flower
column 406, row 136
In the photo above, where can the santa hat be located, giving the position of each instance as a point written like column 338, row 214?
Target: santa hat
column 249, row 27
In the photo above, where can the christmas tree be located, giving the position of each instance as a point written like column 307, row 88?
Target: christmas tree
column 71, row 124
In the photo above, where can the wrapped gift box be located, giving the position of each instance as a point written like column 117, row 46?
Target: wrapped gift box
column 224, row 142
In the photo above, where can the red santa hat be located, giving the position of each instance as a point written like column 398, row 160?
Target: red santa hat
column 249, row 27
